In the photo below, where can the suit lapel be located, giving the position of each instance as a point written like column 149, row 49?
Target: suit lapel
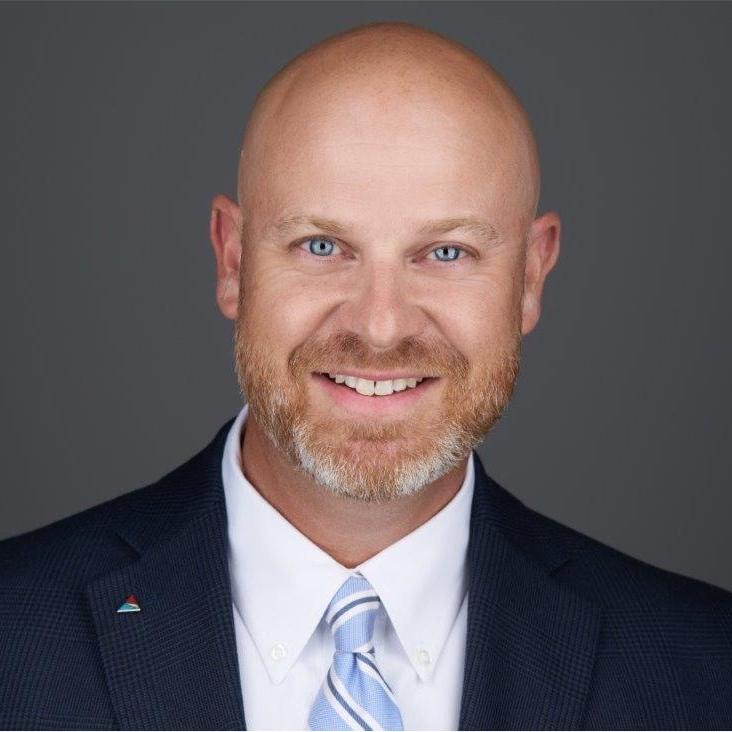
column 530, row 642
column 173, row 665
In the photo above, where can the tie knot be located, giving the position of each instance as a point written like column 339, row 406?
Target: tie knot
column 351, row 615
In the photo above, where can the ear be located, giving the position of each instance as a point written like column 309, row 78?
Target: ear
column 542, row 250
column 225, row 234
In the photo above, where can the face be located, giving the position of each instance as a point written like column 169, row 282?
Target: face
column 385, row 247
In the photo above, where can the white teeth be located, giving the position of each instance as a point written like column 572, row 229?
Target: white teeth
column 367, row 387
column 382, row 388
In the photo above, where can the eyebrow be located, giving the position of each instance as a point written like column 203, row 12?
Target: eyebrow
column 482, row 229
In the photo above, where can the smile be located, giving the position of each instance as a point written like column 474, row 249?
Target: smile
column 375, row 387
column 374, row 396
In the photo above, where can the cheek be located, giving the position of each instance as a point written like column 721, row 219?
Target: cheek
column 477, row 314
column 282, row 307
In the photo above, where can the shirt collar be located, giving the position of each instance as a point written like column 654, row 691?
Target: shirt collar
column 275, row 568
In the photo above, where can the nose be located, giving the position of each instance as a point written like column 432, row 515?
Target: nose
column 382, row 311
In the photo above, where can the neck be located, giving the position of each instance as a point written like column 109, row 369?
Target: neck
column 349, row 530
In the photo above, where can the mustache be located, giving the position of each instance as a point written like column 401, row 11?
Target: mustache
column 347, row 350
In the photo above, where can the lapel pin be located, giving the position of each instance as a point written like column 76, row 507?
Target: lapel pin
column 130, row 605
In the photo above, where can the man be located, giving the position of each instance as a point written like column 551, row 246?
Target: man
column 337, row 557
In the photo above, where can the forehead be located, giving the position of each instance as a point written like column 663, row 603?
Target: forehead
column 370, row 154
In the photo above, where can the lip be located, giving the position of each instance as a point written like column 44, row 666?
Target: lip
column 393, row 404
column 377, row 375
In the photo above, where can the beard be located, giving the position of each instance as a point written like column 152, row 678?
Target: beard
column 376, row 459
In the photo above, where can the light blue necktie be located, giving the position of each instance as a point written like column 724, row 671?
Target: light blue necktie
column 354, row 695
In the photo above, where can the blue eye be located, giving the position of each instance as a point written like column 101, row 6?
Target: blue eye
column 447, row 254
column 324, row 247
column 320, row 246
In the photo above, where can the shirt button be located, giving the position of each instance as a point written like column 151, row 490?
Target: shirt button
column 278, row 651
column 423, row 657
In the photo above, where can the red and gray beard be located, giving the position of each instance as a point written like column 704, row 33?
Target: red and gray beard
column 374, row 459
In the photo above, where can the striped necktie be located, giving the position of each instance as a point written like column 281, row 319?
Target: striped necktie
column 354, row 695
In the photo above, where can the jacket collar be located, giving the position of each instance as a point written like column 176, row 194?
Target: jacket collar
column 530, row 642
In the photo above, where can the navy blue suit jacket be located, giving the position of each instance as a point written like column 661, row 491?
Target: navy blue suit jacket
column 563, row 632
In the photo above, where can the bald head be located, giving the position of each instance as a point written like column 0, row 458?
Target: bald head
column 384, row 232
column 396, row 83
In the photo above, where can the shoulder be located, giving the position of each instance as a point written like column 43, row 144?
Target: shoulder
column 664, row 641
column 71, row 551
column 608, row 577
column 615, row 579
column 50, row 577
column 646, row 607
column 75, row 550
column 641, row 604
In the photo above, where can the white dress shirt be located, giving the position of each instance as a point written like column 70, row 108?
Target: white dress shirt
column 282, row 584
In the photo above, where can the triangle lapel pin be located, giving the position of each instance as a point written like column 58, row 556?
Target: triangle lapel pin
column 130, row 605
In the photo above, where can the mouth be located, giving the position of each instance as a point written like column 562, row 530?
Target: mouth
column 374, row 393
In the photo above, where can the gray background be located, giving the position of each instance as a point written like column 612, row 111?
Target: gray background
column 120, row 122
